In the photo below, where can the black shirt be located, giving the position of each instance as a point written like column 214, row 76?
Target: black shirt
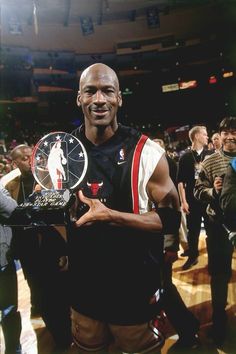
column 189, row 165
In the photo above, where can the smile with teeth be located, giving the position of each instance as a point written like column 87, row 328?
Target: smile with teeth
column 100, row 112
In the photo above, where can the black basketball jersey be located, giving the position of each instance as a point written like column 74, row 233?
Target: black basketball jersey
column 116, row 270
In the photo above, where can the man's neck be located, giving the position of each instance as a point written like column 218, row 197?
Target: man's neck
column 229, row 153
column 197, row 147
column 99, row 134
column 26, row 175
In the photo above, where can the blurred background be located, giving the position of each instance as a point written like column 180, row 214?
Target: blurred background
column 175, row 60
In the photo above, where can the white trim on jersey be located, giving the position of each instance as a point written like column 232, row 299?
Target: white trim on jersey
column 150, row 156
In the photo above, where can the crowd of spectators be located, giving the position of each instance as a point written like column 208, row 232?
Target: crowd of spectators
column 174, row 148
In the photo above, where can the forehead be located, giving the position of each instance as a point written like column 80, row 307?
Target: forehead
column 27, row 151
column 202, row 131
column 227, row 131
column 99, row 77
column 215, row 136
column 23, row 152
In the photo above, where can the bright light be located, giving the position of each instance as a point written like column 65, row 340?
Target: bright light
column 170, row 87
column 187, row 84
column 212, row 79
column 228, row 74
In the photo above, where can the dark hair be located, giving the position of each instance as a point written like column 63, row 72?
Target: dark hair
column 228, row 123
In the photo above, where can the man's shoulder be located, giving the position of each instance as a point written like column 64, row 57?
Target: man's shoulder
column 207, row 152
column 186, row 154
column 12, row 176
column 12, row 183
column 215, row 156
column 122, row 130
column 76, row 132
column 128, row 131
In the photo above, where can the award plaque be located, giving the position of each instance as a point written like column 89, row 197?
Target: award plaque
column 59, row 163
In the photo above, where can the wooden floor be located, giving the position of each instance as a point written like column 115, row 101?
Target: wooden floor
column 193, row 286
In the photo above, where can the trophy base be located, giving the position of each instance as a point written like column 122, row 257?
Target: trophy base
column 44, row 208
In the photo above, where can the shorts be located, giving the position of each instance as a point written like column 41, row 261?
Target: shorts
column 92, row 335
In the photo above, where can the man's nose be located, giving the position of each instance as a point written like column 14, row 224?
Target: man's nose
column 99, row 96
column 231, row 136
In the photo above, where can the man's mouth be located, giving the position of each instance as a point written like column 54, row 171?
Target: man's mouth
column 99, row 112
column 231, row 141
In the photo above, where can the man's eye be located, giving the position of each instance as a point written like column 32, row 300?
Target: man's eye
column 89, row 90
column 109, row 91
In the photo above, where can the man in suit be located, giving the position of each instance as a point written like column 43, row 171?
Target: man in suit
column 40, row 251
column 25, row 242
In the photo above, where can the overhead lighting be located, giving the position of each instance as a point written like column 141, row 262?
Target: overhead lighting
column 228, row 74
column 183, row 85
column 127, row 91
column 212, row 79
column 170, row 87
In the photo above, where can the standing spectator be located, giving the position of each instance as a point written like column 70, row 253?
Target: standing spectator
column 188, row 170
column 25, row 241
column 228, row 196
column 173, row 304
column 207, row 190
column 40, row 252
column 116, row 250
column 216, row 141
column 10, row 316
column 173, row 167
column 171, row 162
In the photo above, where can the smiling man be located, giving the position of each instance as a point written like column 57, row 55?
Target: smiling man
column 117, row 245
column 208, row 189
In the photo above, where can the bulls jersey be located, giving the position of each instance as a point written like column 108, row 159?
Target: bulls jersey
column 116, row 270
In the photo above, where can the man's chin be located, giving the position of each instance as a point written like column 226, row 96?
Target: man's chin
column 102, row 122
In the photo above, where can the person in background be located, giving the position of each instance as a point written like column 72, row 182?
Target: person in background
column 173, row 168
column 210, row 146
column 10, row 318
column 174, row 306
column 116, row 246
column 40, row 251
column 228, row 198
column 216, row 141
column 25, row 241
column 171, row 162
column 188, row 170
column 208, row 190
column 54, row 282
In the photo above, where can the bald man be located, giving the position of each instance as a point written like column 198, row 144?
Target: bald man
column 117, row 243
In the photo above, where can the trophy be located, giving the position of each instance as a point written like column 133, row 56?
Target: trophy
column 59, row 163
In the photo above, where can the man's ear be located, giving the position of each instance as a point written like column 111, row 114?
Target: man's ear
column 14, row 164
column 78, row 99
column 120, row 99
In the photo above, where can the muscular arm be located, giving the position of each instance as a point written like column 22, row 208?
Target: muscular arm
column 161, row 191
